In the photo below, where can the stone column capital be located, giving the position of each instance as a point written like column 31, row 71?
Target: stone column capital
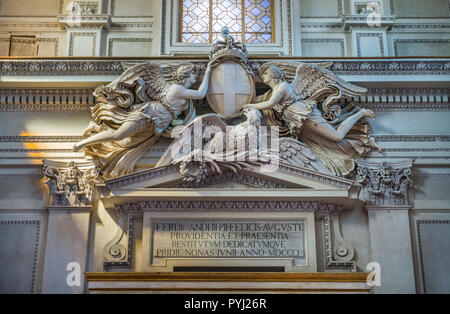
column 70, row 183
column 385, row 185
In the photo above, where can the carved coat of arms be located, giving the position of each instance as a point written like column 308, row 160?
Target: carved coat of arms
column 231, row 83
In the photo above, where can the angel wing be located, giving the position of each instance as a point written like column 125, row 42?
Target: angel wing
column 168, row 68
column 315, row 84
column 298, row 154
column 290, row 68
column 310, row 78
column 196, row 132
column 149, row 76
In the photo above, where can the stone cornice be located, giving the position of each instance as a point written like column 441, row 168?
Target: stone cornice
column 114, row 66
column 348, row 21
column 95, row 20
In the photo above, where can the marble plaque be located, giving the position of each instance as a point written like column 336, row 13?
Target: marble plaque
column 227, row 239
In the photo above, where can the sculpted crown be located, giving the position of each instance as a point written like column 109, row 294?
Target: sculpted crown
column 228, row 48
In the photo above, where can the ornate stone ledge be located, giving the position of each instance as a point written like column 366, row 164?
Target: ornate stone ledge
column 105, row 66
column 89, row 20
column 348, row 21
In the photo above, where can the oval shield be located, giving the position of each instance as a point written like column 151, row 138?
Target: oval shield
column 230, row 88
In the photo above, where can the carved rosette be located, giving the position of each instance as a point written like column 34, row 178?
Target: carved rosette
column 385, row 184
column 70, row 184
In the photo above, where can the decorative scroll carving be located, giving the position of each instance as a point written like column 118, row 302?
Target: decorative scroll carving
column 385, row 184
column 336, row 252
column 70, row 184
column 114, row 250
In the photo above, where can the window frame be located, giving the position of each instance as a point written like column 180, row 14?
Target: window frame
column 272, row 22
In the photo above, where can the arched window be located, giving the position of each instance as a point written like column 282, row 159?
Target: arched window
column 250, row 21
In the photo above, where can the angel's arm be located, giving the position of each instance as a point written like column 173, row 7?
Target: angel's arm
column 259, row 98
column 185, row 93
column 276, row 97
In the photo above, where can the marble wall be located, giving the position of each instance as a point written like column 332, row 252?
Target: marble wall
column 43, row 112
column 331, row 28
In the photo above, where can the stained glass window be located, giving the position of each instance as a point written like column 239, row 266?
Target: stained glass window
column 248, row 20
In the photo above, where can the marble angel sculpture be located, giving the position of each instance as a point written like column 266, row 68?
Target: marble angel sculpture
column 135, row 110
column 302, row 103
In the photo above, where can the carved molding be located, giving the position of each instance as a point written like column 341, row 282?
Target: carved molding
column 61, row 67
column 115, row 67
column 360, row 20
column 420, row 245
column 189, row 205
column 36, row 246
column 85, row 20
column 368, row 35
column 72, row 41
column 40, row 139
column 339, row 7
column 339, row 255
column 70, row 184
column 50, row 40
column 418, row 41
column 340, row 41
column 127, row 40
column 246, row 179
column 124, row 255
column 140, row 176
column 385, row 184
column 333, row 180
column 412, row 138
column 405, row 99
column 161, row 171
column 22, row 100
column 391, row 67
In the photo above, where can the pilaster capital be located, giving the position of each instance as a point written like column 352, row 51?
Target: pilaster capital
column 385, row 185
column 70, row 184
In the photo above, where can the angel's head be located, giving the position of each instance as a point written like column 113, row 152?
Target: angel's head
column 272, row 75
column 185, row 75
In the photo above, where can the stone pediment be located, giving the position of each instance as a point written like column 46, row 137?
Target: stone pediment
column 285, row 183
column 284, row 177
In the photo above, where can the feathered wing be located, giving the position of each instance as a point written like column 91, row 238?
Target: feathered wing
column 315, row 83
column 194, row 132
column 290, row 68
column 298, row 154
column 147, row 77
column 167, row 68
